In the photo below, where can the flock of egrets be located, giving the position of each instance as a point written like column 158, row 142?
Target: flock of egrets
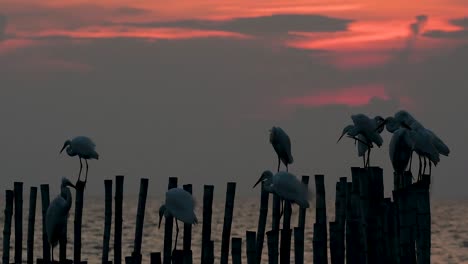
column 409, row 136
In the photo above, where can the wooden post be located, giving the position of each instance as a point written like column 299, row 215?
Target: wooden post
column 320, row 226
column 262, row 218
column 80, row 186
column 63, row 245
column 228, row 211
column 187, row 227
column 140, row 220
column 206, row 225
column 9, row 196
column 275, row 223
column 251, row 247
column 177, row 256
column 272, row 240
column 188, row 256
column 402, row 197
column 388, row 251
column 45, row 204
column 31, row 222
column 375, row 214
column 208, row 258
column 352, row 219
column 155, row 258
column 236, row 250
column 364, row 182
column 18, row 190
column 423, row 241
column 119, row 183
column 285, row 244
column 334, row 239
column 168, row 227
column 299, row 245
column 107, row 220
column 340, row 219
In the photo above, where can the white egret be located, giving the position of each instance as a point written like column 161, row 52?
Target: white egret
column 57, row 214
column 180, row 205
column 367, row 132
column 83, row 147
column 400, row 150
column 286, row 186
column 282, row 145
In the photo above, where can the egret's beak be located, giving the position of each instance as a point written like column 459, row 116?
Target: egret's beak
column 340, row 137
column 72, row 185
column 259, row 180
column 160, row 219
column 64, row 146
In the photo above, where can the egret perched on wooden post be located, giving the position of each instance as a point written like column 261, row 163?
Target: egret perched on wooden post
column 286, row 186
column 366, row 132
column 83, row 147
column 282, row 145
column 57, row 214
column 180, row 205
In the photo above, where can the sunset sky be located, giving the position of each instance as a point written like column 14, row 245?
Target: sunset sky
column 191, row 88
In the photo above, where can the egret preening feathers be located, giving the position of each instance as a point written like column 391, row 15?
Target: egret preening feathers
column 83, row 147
column 179, row 204
column 57, row 214
column 366, row 132
column 282, row 145
column 286, row 186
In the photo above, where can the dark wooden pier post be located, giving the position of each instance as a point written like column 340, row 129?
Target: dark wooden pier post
column 187, row 244
column 9, row 197
column 262, row 218
column 353, row 254
column 63, row 245
column 119, row 183
column 107, row 220
column 155, row 258
column 364, row 182
column 423, row 241
column 136, row 255
column 228, row 211
column 168, row 223
column 334, row 239
column 31, row 222
column 375, row 214
column 236, row 250
column 250, row 248
column 285, row 243
column 177, row 256
column 272, row 241
column 320, row 226
column 18, row 189
column 45, row 204
column 340, row 219
column 80, row 187
column 299, row 245
column 275, row 222
column 206, row 226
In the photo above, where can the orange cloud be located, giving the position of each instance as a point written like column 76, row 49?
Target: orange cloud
column 352, row 96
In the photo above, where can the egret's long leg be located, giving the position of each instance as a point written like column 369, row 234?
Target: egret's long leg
column 279, row 162
column 282, row 208
column 364, row 160
column 177, row 233
column 410, row 160
column 424, row 170
column 52, row 253
column 81, row 168
column 420, row 165
column 368, row 157
column 86, row 178
column 430, row 168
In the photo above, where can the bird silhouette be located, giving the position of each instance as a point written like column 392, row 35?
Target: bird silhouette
column 57, row 214
column 179, row 204
column 282, row 146
column 84, row 148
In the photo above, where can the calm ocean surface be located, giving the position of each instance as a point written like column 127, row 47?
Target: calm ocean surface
column 449, row 229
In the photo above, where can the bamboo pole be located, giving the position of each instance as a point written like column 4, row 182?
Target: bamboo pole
column 299, row 245
column 107, row 221
column 272, row 241
column 285, row 243
column 80, row 186
column 206, row 225
column 262, row 218
column 168, row 225
column 119, row 183
column 228, row 211
column 31, row 222
column 18, row 190
column 136, row 255
column 236, row 250
column 251, row 247
column 9, row 198
column 45, row 204
column 320, row 226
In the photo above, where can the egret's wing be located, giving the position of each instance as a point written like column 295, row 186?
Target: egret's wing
column 181, row 205
column 423, row 145
column 400, row 149
column 56, row 219
column 83, row 146
column 439, row 144
column 362, row 148
column 288, row 187
column 282, row 145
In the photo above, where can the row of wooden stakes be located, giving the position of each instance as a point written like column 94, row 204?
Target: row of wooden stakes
column 368, row 228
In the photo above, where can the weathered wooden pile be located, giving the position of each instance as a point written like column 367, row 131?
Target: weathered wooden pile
column 368, row 228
